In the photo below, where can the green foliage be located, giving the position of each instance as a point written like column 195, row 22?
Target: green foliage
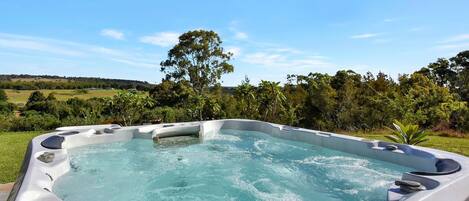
column 320, row 103
column 3, row 96
column 407, row 133
column 34, row 122
column 271, row 100
column 6, row 108
column 36, row 82
column 199, row 59
column 246, row 97
column 169, row 93
column 128, row 106
column 36, row 96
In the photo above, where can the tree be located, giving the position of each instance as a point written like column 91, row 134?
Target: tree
column 199, row 59
column 347, row 85
column 377, row 100
column 36, row 96
column 423, row 102
column 407, row 133
column 245, row 93
column 271, row 99
column 172, row 94
column 460, row 63
column 318, row 110
column 128, row 106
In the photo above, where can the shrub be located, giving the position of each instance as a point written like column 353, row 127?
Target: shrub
column 407, row 134
column 34, row 122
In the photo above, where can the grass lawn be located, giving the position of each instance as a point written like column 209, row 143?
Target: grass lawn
column 458, row 145
column 12, row 148
column 21, row 96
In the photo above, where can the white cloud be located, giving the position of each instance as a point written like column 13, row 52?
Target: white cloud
column 163, row 39
column 24, row 43
column 454, row 43
column 112, row 33
column 264, row 58
column 389, row 20
column 458, row 38
column 241, row 35
column 76, row 52
column 453, row 46
column 235, row 50
column 136, row 63
column 285, row 50
column 365, row 35
column 288, row 61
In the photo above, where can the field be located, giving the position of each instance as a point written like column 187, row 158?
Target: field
column 13, row 146
column 21, row 96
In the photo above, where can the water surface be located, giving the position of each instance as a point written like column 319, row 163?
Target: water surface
column 237, row 165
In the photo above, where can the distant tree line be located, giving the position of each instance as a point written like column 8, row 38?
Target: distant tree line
column 434, row 97
column 36, row 82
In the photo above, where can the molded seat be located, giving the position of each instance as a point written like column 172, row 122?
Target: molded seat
column 443, row 167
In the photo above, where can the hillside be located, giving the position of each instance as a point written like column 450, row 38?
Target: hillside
column 35, row 82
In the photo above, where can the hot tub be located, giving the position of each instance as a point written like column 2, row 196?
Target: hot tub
column 232, row 160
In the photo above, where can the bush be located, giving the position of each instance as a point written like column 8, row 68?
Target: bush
column 6, row 108
column 34, row 122
column 165, row 115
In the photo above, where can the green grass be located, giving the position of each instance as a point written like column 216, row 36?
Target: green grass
column 21, row 96
column 458, row 145
column 12, row 149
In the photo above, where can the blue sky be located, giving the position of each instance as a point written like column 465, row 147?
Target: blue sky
column 128, row 39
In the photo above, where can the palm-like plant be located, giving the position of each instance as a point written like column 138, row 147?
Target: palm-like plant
column 407, row 133
column 271, row 98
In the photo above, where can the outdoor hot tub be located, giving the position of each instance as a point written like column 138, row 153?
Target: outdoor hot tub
column 231, row 160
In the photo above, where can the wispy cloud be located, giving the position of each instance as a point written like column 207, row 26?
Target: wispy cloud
column 72, row 51
column 285, row 50
column 365, row 35
column 240, row 35
column 10, row 41
column 112, row 33
column 453, row 46
column 163, row 39
column 453, row 43
column 235, row 50
column 457, row 38
column 269, row 59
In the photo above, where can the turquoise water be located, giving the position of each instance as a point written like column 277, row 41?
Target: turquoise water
column 237, row 165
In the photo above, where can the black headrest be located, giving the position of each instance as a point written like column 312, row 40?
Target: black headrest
column 53, row 142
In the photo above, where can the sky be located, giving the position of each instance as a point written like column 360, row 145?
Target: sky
column 269, row 38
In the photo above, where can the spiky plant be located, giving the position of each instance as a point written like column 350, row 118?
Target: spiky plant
column 407, row 133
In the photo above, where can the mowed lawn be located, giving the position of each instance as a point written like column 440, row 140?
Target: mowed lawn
column 12, row 149
column 13, row 146
column 458, row 145
column 21, row 96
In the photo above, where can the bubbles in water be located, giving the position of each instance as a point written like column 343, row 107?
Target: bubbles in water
column 235, row 165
